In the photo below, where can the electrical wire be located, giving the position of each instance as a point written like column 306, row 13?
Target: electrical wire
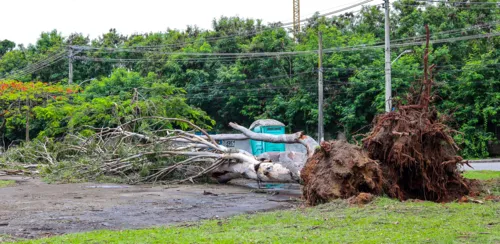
column 37, row 66
column 277, row 25
column 335, row 11
column 327, row 50
column 468, row 7
column 453, row 31
column 245, row 54
column 239, row 56
column 450, row 2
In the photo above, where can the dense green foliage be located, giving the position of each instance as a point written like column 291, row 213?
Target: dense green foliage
column 282, row 87
column 18, row 99
column 55, row 110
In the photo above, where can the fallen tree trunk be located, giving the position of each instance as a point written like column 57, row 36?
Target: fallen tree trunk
column 195, row 155
column 298, row 137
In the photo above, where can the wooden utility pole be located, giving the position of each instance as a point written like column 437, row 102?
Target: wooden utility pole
column 70, row 66
column 388, row 85
column 28, row 110
column 321, row 136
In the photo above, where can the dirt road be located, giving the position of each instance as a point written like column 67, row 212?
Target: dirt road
column 33, row 209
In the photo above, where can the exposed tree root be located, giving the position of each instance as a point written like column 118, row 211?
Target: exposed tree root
column 416, row 150
column 339, row 170
column 418, row 156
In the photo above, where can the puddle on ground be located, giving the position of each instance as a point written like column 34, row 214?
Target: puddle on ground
column 273, row 186
column 107, row 187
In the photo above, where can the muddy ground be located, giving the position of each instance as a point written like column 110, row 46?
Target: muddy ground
column 34, row 209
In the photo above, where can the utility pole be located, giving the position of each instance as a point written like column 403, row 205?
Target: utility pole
column 28, row 110
column 388, row 86
column 70, row 66
column 321, row 136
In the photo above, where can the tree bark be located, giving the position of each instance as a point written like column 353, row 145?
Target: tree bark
column 298, row 137
column 221, row 162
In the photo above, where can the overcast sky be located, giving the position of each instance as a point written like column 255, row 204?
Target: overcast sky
column 24, row 20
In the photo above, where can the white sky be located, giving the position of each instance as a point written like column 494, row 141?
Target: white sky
column 24, row 20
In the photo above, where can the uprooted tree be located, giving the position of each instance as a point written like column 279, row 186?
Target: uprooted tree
column 418, row 155
column 409, row 153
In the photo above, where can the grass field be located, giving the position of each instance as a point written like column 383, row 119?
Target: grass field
column 5, row 183
column 482, row 174
column 382, row 221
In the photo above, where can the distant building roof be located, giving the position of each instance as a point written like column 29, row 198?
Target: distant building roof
column 266, row 122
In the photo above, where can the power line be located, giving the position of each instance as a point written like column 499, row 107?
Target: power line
column 41, row 64
column 449, row 2
column 353, row 88
column 274, row 26
column 225, row 54
column 329, row 83
column 242, row 82
column 453, row 31
column 468, row 7
column 37, row 66
column 162, row 59
column 52, row 59
column 416, row 43
column 256, row 54
column 335, row 11
column 286, row 53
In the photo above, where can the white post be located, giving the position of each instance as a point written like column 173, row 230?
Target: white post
column 388, row 86
column 321, row 136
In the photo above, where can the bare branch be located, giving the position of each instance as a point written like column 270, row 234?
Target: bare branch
column 298, row 137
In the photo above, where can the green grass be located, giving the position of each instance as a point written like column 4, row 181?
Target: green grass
column 482, row 174
column 5, row 183
column 382, row 221
column 490, row 180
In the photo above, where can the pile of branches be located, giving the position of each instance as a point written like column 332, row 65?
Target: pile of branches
column 148, row 149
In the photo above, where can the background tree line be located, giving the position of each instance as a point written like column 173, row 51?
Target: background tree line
column 125, row 76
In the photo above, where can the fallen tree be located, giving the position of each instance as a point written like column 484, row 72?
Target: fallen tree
column 148, row 149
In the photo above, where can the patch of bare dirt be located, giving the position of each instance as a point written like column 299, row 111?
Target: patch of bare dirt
column 361, row 198
column 34, row 209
